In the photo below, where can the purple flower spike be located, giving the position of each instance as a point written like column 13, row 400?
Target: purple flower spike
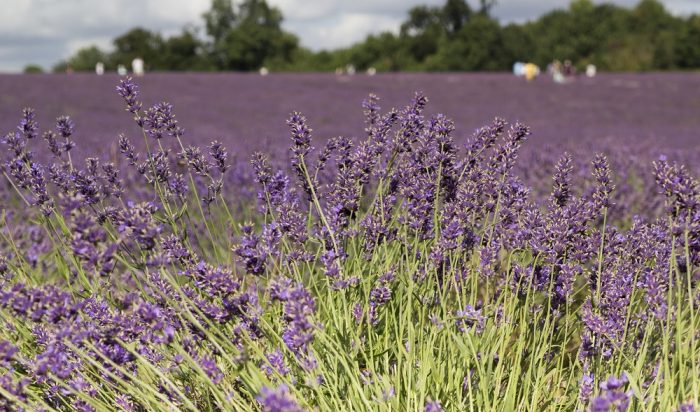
column 433, row 406
column 612, row 396
column 301, row 146
column 129, row 91
column 65, row 126
column 28, row 126
column 277, row 400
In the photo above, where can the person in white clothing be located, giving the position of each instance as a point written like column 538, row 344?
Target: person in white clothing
column 137, row 66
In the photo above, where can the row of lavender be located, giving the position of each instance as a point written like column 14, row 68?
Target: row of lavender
column 396, row 271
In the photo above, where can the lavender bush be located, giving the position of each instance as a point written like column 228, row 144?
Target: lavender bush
column 398, row 270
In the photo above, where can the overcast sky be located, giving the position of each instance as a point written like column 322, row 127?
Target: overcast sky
column 46, row 31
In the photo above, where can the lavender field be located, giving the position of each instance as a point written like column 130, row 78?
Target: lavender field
column 247, row 111
column 311, row 242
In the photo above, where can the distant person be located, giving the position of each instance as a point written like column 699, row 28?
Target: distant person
column 350, row 70
column 591, row 71
column 69, row 69
column 519, row 69
column 100, row 68
column 557, row 74
column 531, row 71
column 137, row 66
column 371, row 71
column 264, row 71
column 568, row 70
column 121, row 70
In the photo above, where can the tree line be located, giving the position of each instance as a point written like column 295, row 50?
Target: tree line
column 248, row 35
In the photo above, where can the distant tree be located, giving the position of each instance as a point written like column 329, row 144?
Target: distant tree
column 455, row 14
column 220, row 19
column 426, row 27
column 421, row 33
column 651, row 16
column 477, row 46
column 185, row 51
column 142, row 43
column 687, row 46
column 33, row 69
column 84, row 59
column 248, row 34
column 420, row 20
column 518, row 44
column 248, row 37
column 380, row 51
column 485, row 6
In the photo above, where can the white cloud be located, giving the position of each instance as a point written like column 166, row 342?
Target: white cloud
column 345, row 29
column 102, row 42
column 305, row 10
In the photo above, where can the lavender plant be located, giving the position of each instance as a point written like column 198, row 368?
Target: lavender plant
column 394, row 271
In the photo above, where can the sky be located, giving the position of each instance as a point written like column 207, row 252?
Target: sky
column 46, row 31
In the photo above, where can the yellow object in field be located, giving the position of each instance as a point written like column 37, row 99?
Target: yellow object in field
column 531, row 71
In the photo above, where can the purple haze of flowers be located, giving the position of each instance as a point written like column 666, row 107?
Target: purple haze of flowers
column 277, row 400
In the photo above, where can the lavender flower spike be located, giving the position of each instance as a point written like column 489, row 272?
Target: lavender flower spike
column 277, row 400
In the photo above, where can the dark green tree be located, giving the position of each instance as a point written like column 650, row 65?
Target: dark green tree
column 248, row 37
column 485, row 6
column 687, row 46
column 477, row 46
column 33, row 69
column 248, row 34
column 220, row 19
column 455, row 14
column 185, row 51
column 421, row 33
column 141, row 43
column 84, row 59
column 518, row 44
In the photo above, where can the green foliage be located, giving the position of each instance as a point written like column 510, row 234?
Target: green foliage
column 475, row 47
column 219, row 19
column 453, row 37
column 33, row 69
column 247, row 35
column 687, row 48
column 84, row 59
column 185, row 52
column 141, row 43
